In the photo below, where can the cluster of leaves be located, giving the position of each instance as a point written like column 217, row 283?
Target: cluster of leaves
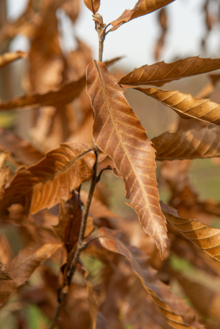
column 94, row 276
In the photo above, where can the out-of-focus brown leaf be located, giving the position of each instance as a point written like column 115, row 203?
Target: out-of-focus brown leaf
column 118, row 132
column 69, row 222
column 160, row 73
column 23, row 151
column 93, row 5
column 24, row 264
column 142, row 7
column 176, row 312
column 162, row 19
column 5, row 250
column 64, row 95
column 72, row 8
column 3, row 274
column 205, row 299
column 4, row 173
column 185, row 105
column 53, row 178
column 7, row 288
column 203, row 236
column 11, row 57
column 190, row 144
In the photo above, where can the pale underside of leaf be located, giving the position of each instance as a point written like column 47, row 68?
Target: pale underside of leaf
column 51, row 179
column 142, row 7
column 186, row 105
column 24, row 264
column 93, row 5
column 117, row 132
column 11, row 57
column 64, row 95
column 160, row 73
column 194, row 143
column 203, row 236
column 173, row 309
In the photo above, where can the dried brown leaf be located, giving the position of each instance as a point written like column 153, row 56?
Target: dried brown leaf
column 160, row 73
column 117, row 132
column 176, row 312
column 53, row 178
column 24, row 264
column 195, row 143
column 142, row 7
column 69, row 222
column 93, row 5
column 64, row 95
column 203, row 236
column 11, row 57
column 23, row 151
column 186, row 105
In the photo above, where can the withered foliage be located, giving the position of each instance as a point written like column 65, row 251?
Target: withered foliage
column 63, row 247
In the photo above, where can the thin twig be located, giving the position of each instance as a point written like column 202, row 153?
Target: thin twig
column 101, row 29
column 72, row 268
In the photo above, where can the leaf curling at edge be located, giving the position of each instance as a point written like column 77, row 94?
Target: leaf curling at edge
column 51, row 179
column 92, row 5
column 203, row 236
column 185, row 105
column 11, row 57
column 142, row 7
column 118, row 132
column 64, row 95
column 24, row 264
column 177, row 314
column 201, row 142
column 160, row 73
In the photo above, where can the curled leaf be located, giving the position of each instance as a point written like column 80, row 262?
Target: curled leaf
column 202, row 142
column 160, row 73
column 176, row 312
column 11, row 57
column 118, row 132
column 93, row 5
column 53, row 178
column 142, row 7
column 186, row 105
column 203, row 236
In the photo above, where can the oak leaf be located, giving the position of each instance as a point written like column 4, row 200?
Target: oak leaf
column 194, row 143
column 142, row 7
column 53, row 178
column 93, row 5
column 118, row 132
column 63, row 95
column 203, row 236
column 186, row 105
column 160, row 73
column 176, row 312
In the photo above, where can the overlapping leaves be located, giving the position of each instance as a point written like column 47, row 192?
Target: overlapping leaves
column 117, row 132
column 160, row 73
column 53, row 178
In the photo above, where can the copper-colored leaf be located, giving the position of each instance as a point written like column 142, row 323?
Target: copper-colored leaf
column 177, row 314
column 11, row 57
column 118, row 132
column 160, row 73
column 203, row 236
column 53, row 178
column 93, row 5
column 194, row 143
column 64, row 95
column 24, row 264
column 142, row 7
column 23, row 151
column 69, row 222
column 186, row 105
